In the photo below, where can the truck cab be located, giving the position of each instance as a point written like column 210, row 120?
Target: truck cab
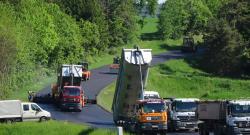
column 151, row 115
column 238, row 116
column 33, row 112
column 183, row 114
column 72, row 98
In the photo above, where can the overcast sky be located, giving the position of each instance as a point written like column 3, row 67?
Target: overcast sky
column 161, row 1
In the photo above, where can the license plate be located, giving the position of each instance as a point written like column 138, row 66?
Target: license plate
column 71, row 107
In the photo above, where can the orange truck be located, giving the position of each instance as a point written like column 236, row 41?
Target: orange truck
column 85, row 71
column 129, row 107
column 152, row 116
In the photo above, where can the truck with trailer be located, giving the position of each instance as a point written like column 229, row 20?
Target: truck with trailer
column 67, row 93
column 16, row 111
column 129, row 107
column 182, row 113
column 224, row 117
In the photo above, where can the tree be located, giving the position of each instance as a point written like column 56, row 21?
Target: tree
column 228, row 39
column 181, row 17
column 225, row 46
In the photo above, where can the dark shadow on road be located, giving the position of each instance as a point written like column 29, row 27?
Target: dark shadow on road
column 170, row 47
column 108, row 73
column 151, row 36
column 102, row 123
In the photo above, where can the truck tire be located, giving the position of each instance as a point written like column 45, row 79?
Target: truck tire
column 42, row 119
column 202, row 129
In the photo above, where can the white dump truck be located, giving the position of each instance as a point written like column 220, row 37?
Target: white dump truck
column 224, row 117
column 129, row 107
column 16, row 111
column 183, row 114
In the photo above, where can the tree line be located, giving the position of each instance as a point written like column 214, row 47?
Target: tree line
column 37, row 35
column 224, row 25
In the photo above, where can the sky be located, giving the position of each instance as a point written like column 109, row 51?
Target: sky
column 161, row 1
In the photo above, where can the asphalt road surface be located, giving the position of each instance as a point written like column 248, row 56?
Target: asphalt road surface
column 94, row 115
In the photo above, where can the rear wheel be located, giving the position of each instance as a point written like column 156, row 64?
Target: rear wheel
column 42, row 119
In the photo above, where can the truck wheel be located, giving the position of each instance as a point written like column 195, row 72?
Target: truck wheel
column 42, row 119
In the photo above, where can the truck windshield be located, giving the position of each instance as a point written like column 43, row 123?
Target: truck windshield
column 185, row 106
column 71, row 92
column 153, row 107
column 240, row 109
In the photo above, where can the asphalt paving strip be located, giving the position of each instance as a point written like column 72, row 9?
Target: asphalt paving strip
column 94, row 115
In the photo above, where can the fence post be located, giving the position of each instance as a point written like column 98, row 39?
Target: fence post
column 120, row 130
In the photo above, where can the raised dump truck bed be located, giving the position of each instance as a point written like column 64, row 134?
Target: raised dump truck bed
column 131, row 81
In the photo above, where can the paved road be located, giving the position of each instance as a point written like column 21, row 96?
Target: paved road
column 94, row 115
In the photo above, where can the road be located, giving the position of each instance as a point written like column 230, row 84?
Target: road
column 94, row 115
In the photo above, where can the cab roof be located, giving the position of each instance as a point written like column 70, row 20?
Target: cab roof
column 186, row 99
column 151, row 101
column 240, row 102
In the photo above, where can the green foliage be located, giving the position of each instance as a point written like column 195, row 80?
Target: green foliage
column 228, row 40
column 123, row 26
column 34, row 35
column 182, row 17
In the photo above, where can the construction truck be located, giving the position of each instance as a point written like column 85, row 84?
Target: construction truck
column 188, row 45
column 67, row 92
column 224, row 117
column 85, row 71
column 183, row 114
column 129, row 107
column 114, row 68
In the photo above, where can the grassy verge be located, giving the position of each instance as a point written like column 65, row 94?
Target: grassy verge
column 177, row 78
column 51, row 128
column 35, row 86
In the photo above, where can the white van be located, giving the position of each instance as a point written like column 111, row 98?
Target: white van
column 15, row 110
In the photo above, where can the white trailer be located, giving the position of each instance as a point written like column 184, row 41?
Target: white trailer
column 15, row 110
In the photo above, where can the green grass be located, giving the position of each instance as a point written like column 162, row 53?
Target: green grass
column 157, row 45
column 34, row 85
column 150, row 25
column 176, row 78
column 51, row 128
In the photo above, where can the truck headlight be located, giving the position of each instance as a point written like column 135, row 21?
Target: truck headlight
column 175, row 117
